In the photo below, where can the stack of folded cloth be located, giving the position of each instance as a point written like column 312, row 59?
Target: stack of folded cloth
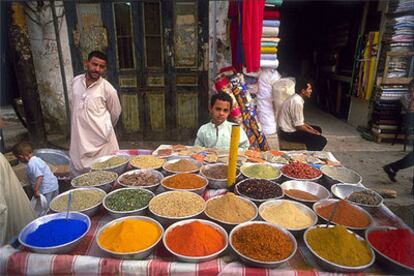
column 270, row 39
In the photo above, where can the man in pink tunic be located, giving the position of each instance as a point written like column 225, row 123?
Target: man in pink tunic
column 95, row 111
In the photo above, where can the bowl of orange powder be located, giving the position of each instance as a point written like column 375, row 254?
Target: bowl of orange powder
column 132, row 237
column 195, row 240
column 185, row 181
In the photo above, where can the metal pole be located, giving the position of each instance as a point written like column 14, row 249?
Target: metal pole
column 62, row 67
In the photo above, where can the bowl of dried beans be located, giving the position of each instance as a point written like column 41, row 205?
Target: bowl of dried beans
column 148, row 179
column 301, row 171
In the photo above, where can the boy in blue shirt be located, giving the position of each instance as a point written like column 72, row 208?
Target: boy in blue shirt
column 40, row 176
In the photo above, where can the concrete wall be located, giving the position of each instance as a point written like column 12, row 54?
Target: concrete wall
column 46, row 62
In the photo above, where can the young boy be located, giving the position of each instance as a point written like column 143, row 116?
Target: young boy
column 43, row 180
column 217, row 133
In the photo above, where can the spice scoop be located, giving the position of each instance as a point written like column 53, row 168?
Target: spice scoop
column 333, row 213
column 69, row 204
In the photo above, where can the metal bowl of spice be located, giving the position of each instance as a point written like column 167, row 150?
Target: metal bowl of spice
column 131, row 238
column 54, row 233
column 185, row 182
column 262, row 171
column 98, row 179
column 127, row 202
column 229, row 210
column 173, row 206
column 182, row 165
column 111, row 163
column 84, row 200
column 195, row 240
column 340, row 174
column 338, row 249
column 305, row 191
column 147, row 162
column 148, row 179
column 358, row 195
column 393, row 247
column 217, row 175
column 259, row 190
column 262, row 244
column 301, row 171
column 292, row 215
column 345, row 213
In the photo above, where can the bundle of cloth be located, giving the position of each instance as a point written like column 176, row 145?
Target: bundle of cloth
column 270, row 33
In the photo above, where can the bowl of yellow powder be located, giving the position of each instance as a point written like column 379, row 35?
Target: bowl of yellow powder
column 132, row 238
column 338, row 249
column 292, row 215
column 262, row 171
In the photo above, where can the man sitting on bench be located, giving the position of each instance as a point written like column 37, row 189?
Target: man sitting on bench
column 291, row 122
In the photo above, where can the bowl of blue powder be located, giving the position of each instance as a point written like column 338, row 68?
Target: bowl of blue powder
column 55, row 234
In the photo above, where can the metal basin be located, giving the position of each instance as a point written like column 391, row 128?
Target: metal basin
column 119, row 169
column 199, row 191
column 153, row 172
column 306, row 186
column 342, row 191
column 340, row 175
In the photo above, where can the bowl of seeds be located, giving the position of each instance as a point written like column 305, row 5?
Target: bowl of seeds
column 98, row 179
column 111, row 163
column 127, row 202
column 147, row 162
column 182, row 165
column 259, row 190
column 84, row 200
column 148, row 179
column 217, row 175
column 172, row 206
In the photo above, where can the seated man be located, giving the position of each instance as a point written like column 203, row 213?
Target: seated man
column 217, row 133
column 292, row 126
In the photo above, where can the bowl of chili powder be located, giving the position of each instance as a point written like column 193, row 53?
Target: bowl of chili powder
column 307, row 192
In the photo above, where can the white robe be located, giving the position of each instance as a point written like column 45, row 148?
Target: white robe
column 95, row 111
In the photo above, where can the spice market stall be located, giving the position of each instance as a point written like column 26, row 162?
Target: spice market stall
column 174, row 215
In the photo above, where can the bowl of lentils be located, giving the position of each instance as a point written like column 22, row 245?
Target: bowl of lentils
column 217, row 175
column 301, row 171
column 127, row 202
column 148, row 179
column 98, row 179
column 259, row 190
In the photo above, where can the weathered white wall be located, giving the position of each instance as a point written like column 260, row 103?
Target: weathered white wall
column 46, row 62
column 223, row 51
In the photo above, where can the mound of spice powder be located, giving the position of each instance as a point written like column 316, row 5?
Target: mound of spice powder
column 287, row 215
column 182, row 165
column 345, row 214
column 230, row 208
column 397, row 244
column 216, row 172
column 262, row 242
column 259, row 189
column 261, row 171
column 184, row 181
column 299, row 194
column 195, row 239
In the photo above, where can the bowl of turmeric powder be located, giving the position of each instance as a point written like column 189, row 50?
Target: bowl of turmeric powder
column 185, row 182
column 132, row 237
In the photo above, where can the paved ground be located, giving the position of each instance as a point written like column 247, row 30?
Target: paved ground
column 344, row 141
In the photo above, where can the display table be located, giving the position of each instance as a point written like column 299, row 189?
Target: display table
column 88, row 259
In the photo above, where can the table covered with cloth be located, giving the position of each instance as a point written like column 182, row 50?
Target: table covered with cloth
column 88, row 259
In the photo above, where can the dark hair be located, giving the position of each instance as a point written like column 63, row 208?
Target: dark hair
column 301, row 83
column 222, row 97
column 97, row 54
column 22, row 148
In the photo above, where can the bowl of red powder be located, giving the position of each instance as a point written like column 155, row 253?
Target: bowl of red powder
column 394, row 248
column 195, row 240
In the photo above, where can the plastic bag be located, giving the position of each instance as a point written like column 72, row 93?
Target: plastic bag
column 39, row 205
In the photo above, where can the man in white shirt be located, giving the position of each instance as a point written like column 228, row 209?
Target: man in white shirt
column 95, row 111
column 217, row 133
column 291, row 122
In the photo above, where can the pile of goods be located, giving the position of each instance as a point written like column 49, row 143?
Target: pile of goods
column 184, row 181
column 195, row 239
column 56, row 232
column 110, row 163
column 230, row 208
column 180, row 166
column 259, row 189
column 301, row 195
column 147, row 162
column 345, row 214
column 298, row 170
column 139, row 179
column 260, row 171
column 262, row 242
column 397, row 244
column 177, row 204
column 217, row 172
column 82, row 199
column 94, row 178
column 339, row 246
column 130, row 235
column 287, row 215
column 125, row 200
column 366, row 197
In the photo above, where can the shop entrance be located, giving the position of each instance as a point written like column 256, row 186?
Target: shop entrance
column 157, row 54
